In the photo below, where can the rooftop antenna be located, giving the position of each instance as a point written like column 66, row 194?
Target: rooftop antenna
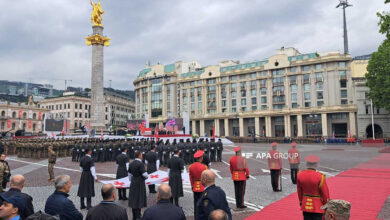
column 344, row 4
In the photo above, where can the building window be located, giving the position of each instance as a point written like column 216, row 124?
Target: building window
column 320, row 95
column 75, row 105
column 2, row 125
column 234, row 102
column 233, row 78
column 224, row 79
column 293, row 88
column 343, row 93
column 278, row 80
column 343, row 84
column 318, row 66
column 86, row 115
column 344, row 102
column 263, row 107
column 234, row 110
column 243, row 93
column 254, row 108
column 34, row 115
column 68, row 114
column 24, row 115
column 253, row 75
column 293, row 69
column 307, row 96
column 306, row 87
column 80, row 114
column 223, row 103
column 263, row 73
column 278, row 106
column 341, row 64
column 319, row 85
column 306, row 68
column 254, row 102
column 307, row 104
column 306, row 78
column 319, row 77
column 264, row 91
column 294, row 105
column 343, row 74
column 294, row 97
column 243, row 76
column 33, row 127
column 75, row 114
column 253, row 92
column 277, row 72
column 264, row 99
column 292, row 79
column 234, row 94
column 320, row 103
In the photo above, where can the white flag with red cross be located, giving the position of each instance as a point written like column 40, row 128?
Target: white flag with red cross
column 157, row 177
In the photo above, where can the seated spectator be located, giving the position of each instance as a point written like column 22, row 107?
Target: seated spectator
column 218, row 214
column 12, row 206
column 107, row 209
column 59, row 204
column 336, row 209
column 16, row 186
column 164, row 209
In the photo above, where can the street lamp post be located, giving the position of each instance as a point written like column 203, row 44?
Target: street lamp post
column 372, row 121
column 344, row 4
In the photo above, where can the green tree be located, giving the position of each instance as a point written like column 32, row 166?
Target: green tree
column 378, row 69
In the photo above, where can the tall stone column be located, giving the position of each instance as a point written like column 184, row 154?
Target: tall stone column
column 98, row 41
column 194, row 127
column 241, row 126
column 300, row 125
column 201, row 128
column 226, row 123
column 352, row 123
column 324, row 122
column 257, row 126
column 268, row 126
column 216, row 127
column 287, row 126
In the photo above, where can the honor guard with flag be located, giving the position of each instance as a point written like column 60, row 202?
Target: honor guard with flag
column 152, row 165
column 195, row 172
column 312, row 190
column 88, row 174
column 294, row 158
column 240, row 173
column 175, row 168
column 275, row 166
column 122, row 161
column 137, row 191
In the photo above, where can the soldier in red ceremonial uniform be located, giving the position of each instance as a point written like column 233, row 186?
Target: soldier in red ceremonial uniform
column 240, row 173
column 195, row 172
column 312, row 190
column 275, row 167
column 294, row 158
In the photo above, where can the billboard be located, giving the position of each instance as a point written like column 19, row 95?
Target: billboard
column 175, row 121
column 54, row 125
column 135, row 124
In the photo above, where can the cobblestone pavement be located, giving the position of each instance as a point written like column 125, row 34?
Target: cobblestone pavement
column 333, row 160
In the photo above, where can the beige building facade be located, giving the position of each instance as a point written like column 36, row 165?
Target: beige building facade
column 21, row 116
column 287, row 95
column 77, row 109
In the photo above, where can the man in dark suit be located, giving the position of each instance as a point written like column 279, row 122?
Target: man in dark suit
column 122, row 160
column 59, row 204
column 212, row 198
column 107, row 209
column 88, row 175
column 137, row 192
column 175, row 168
column 164, row 209
column 16, row 186
column 152, row 165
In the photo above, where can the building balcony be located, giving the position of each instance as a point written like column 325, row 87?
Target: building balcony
column 278, row 83
column 293, row 82
column 343, row 78
column 320, row 79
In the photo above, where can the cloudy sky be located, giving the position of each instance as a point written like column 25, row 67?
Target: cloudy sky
column 42, row 41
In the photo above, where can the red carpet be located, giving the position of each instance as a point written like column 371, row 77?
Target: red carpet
column 366, row 187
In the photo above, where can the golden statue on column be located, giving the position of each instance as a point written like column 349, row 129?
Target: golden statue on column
column 96, row 16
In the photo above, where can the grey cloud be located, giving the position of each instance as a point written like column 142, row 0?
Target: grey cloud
column 43, row 40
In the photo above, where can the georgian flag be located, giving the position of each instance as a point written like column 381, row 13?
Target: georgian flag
column 157, row 177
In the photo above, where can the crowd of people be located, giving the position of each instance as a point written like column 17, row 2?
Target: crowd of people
column 209, row 200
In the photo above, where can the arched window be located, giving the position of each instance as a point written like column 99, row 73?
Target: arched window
column 13, row 114
column 13, row 126
column 24, row 115
column 24, row 126
column 2, row 113
column 34, row 115
column 33, row 127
